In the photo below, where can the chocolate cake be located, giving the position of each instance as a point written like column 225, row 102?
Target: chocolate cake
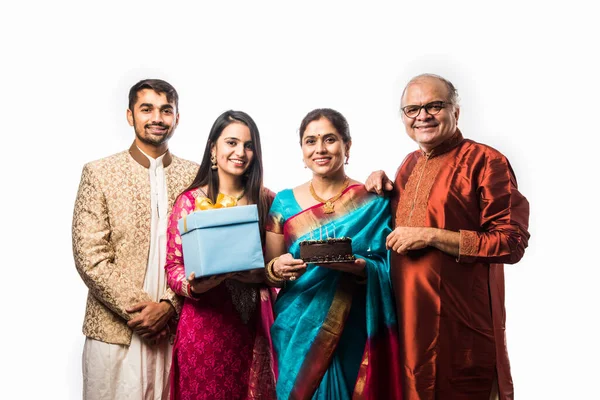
column 327, row 251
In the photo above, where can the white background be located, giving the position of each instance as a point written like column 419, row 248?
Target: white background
column 526, row 72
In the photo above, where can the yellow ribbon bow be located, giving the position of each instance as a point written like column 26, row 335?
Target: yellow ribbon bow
column 204, row 203
column 223, row 201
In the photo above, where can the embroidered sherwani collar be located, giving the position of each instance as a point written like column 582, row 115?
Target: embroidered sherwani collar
column 141, row 158
column 446, row 146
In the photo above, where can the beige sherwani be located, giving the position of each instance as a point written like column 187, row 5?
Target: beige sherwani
column 111, row 242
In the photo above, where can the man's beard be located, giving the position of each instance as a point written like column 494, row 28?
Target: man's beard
column 154, row 140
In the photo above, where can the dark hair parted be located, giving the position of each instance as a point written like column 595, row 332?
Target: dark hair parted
column 336, row 118
column 252, row 179
column 159, row 86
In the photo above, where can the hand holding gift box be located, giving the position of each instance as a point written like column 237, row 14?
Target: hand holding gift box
column 221, row 239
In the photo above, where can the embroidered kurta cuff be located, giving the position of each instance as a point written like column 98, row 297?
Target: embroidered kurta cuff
column 468, row 246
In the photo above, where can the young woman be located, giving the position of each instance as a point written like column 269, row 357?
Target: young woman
column 222, row 347
column 335, row 332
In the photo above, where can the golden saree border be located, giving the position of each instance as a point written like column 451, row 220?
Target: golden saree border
column 319, row 355
column 353, row 198
column 361, row 380
column 261, row 382
column 275, row 224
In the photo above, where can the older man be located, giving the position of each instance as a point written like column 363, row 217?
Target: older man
column 119, row 244
column 458, row 217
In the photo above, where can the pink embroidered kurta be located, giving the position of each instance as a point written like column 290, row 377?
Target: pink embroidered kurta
column 222, row 347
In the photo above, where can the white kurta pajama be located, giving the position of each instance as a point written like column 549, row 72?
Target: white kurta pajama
column 140, row 371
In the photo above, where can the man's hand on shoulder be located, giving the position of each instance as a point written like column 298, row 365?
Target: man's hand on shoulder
column 378, row 182
column 152, row 318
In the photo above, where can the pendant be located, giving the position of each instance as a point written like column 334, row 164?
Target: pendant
column 328, row 207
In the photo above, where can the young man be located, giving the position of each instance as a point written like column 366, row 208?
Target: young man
column 119, row 242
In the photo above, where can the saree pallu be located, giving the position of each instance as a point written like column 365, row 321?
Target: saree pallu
column 334, row 337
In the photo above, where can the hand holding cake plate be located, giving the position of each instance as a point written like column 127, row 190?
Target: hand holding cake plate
column 289, row 268
column 356, row 267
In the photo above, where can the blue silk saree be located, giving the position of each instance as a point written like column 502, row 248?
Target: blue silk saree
column 336, row 338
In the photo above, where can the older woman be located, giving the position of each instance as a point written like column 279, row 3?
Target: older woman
column 335, row 328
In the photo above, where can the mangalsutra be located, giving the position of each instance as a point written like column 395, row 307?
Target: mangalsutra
column 328, row 207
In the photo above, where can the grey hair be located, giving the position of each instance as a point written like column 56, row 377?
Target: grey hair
column 452, row 92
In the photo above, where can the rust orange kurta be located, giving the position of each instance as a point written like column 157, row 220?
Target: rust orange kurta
column 451, row 310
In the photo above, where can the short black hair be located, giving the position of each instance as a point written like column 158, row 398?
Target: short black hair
column 159, row 86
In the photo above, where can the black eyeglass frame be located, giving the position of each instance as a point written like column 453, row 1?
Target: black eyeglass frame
column 442, row 104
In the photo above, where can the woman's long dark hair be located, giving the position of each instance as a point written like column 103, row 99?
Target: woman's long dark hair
column 252, row 179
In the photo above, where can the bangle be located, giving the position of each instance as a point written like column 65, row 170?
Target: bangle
column 187, row 288
column 190, row 293
column 271, row 277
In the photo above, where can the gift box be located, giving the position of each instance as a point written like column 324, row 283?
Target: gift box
column 220, row 241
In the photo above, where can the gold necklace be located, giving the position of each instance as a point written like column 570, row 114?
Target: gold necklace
column 238, row 198
column 328, row 208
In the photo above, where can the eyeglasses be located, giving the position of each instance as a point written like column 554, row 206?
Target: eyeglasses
column 432, row 108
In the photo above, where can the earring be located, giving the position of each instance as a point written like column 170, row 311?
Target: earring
column 304, row 162
column 213, row 160
column 347, row 158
